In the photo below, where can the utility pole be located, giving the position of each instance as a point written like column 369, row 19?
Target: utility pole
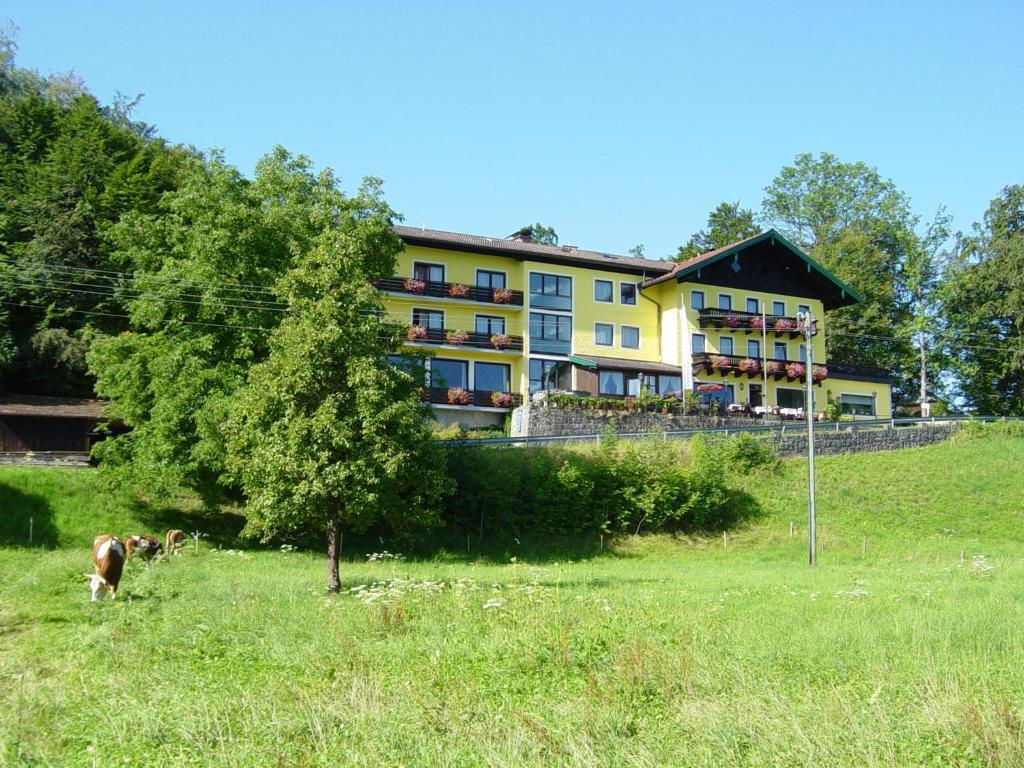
column 925, row 407
column 764, row 356
column 805, row 320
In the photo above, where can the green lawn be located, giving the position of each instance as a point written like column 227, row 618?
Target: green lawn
column 666, row 651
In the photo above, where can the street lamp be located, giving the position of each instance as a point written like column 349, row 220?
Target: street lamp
column 805, row 322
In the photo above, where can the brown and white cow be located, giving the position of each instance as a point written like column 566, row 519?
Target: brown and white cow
column 175, row 541
column 108, row 557
column 147, row 547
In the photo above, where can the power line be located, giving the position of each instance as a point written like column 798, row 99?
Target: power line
column 129, row 317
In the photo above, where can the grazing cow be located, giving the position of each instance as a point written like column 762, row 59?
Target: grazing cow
column 108, row 560
column 175, row 541
column 148, row 547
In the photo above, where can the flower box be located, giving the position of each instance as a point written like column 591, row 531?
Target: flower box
column 502, row 296
column 732, row 320
column 720, row 363
column 750, row 365
column 773, row 368
column 458, row 290
column 457, row 336
column 412, row 285
column 501, row 340
column 501, row 399
column 784, row 324
column 416, row 333
column 458, row 396
column 757, row 322
column 795, row 370
column 819, row 373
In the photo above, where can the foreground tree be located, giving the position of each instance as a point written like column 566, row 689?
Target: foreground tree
column 726, row 224
column 982, row 307
column 327, row 432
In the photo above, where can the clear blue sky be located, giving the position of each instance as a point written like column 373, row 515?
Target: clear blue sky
column 618, row 124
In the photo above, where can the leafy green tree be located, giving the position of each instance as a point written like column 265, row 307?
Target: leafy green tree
column 329, row 433
column 541, row 234
column 726, row 224
column 203, row 300
column 861, row 227
column 982, row 307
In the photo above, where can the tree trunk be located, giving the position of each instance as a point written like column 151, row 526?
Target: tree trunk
column 333, row 550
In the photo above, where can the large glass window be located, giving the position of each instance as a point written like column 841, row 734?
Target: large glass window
column 486, row 278
column 725, row 345
column 551, row 334
column 696, row 299
column 780, row 350
column 753, row 348
column 627, row 293
column 724, row 301
column 491, row 377
column 449, row 373
column 411, row 365
column 778, row 307
column 550, row 291
column 803, row 308
column 789, row 398
column 490, row 324
column 428, row 318
column 752, row 306
column 550, row 374
column 857, row 405
column 803, row 353
column 698, row 343
column 604, row 291
column 604, row 334
column 668, row 384
column 611, row 383
column 630, row 337
column 432, row 273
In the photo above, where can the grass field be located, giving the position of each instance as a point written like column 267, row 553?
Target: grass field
column 662, row 651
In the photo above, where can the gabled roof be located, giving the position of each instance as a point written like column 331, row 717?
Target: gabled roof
column 559, row 254
column 691, row 266
column 60, row 407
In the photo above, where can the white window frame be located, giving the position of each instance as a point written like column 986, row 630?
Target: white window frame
column 622, row 336
column 704, row 345
column 703, row 300
column 429, row 310
column 757, row 304
column 611, row 283
column 874, row 404
column 725, row 296
column 775, row 350
column 732, row 345
column 476, row 275
column 610, row 343
column 783, row 312
column 636, row 293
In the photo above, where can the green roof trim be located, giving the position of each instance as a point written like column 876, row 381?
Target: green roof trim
column 774, row 234
column 582, row 362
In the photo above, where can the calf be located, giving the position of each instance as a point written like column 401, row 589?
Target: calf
column 108, row 560
column 175, row 541
column 148, row 547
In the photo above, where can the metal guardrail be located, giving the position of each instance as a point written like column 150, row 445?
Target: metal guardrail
column 795, row 427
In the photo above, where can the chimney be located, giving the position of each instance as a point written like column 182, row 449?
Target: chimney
column 524, row 235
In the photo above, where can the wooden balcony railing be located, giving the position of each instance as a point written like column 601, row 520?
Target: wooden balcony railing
column 859, row 372
column 474, row 340
column 738, row 366
column 463, row 292
column 480, row 398
column 748, row 322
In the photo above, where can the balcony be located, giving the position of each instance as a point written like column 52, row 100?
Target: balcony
column 477, row 398
column 468, row 339
column 748, row 322
column 502, row 297
column 739, row 366
column 859, row 373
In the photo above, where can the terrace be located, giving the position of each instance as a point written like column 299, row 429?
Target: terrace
column 503, row 342
column 739, row 366
column 748, row 322
column 472, row 398
column 407, row 286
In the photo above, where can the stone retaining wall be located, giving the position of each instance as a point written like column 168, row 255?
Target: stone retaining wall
column 537, row 421
column 862, row 440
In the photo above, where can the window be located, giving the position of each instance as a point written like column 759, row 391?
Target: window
column 697, row 343
column 753, row 348
column 630, row 337
column 411, row 365
column 604, row 334
column 803, row 353
column 551, row 334
column 449, row 373
column 696, row 299
column 724, row 301
column 668, row 384
column 489, row 324
column 633, row 384
column 428, row 318
column 491, row 377
column 789, row 398
column 550, row 374
column 550, row 291
column 803, row 308
column 778, row 307
column 486, row 278
column 725, row 345
column 627, row 293
column 611, row 383
column 752, row 306
column 604, row 291
column 857, row 405
column 431, row 273
column 780, row 350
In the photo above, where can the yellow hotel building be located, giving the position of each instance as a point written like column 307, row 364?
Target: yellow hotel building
column 506, row 318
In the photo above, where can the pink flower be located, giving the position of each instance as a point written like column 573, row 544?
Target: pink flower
column 416, row 333
column 757, row 322
column 819, row 373
column 795, row 370
column 502, row 296
column 773, row 367
column 784, row 324
column 457, row 337
column 412, row 285
column 458, row 396
column 501, row 340
column 720, row 363
column 732, row 321
column 458, row 290
column 501, row 399
column 749, row 365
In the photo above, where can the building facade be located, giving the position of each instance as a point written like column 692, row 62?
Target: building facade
column 505, row 318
